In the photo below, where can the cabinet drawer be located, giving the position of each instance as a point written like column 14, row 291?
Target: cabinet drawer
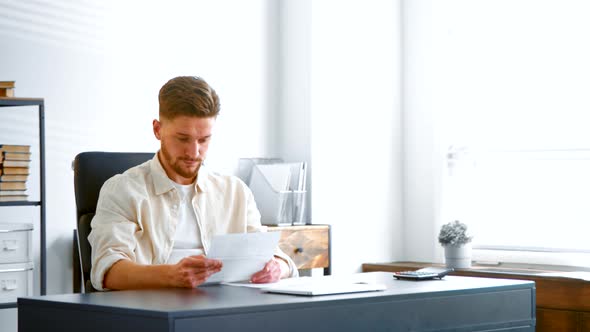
column 16, row 280
column 16, row 244
column 308, row 246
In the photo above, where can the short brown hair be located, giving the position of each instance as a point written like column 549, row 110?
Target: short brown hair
column 188, row 95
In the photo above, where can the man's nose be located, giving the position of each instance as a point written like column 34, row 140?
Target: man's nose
column 195, row 150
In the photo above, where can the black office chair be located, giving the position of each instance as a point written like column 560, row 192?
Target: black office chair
column 91, row 170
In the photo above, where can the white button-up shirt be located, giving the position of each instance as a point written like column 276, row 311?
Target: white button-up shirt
column 137, row 214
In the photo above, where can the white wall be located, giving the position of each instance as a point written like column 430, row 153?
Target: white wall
column 356, row 129
column 293, row 110
column 338, row 108
column 419, row 145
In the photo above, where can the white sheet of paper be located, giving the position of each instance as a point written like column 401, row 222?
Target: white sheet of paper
column 242, row 254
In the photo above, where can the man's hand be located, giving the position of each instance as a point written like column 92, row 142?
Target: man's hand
column 192, row 271
column 273, row 271
column 189, row 272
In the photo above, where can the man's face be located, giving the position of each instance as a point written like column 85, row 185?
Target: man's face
column 184, row 142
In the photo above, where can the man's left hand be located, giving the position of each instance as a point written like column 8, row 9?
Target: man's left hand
column 272, row 272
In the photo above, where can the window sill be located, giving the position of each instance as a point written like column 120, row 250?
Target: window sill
column 530, row 260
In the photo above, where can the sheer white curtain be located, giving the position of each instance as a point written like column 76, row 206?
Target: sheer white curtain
column 513, row 107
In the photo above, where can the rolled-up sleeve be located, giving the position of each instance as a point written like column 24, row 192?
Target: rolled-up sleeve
column 113, row 231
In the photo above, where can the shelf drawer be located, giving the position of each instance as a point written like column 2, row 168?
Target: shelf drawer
column 308, row 246
column 16, row 280
column 16, row 243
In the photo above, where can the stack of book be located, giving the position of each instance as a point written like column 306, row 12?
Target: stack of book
column 14, row 171
column 6, row 88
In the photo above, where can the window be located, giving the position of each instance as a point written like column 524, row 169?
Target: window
column 513, row 106
column 523, row 199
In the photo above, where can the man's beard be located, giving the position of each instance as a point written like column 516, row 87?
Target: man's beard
column 176, row 165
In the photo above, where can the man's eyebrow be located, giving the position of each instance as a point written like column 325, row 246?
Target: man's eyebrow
column 183, row 134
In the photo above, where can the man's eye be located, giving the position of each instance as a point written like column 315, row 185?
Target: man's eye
column 183, row 139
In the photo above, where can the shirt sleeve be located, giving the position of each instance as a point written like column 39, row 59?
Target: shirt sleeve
column 112, row 237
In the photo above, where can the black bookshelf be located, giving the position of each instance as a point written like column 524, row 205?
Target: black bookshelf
column 40, row 103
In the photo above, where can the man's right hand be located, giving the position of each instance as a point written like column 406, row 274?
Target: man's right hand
column 192, row 271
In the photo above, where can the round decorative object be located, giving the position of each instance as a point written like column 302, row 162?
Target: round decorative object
column 458, row 257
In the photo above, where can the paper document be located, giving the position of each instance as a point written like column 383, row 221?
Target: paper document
column 242, row 254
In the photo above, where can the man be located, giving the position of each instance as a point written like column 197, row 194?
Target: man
column 155, row 222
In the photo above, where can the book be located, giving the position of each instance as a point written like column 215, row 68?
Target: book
column 12, row 192
column 14, row 170
column 6, row 92
column 14, row 163
column 5, row 155
column 13, row 185
column 7, row 84
column 13, row 178
column 13, row 198
column 14, row 148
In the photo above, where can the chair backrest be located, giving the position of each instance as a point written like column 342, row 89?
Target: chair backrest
column 91, row 170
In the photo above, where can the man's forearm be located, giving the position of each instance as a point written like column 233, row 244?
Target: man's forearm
column 126, row 274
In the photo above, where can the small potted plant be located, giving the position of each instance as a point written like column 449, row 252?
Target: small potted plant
column 455, row 240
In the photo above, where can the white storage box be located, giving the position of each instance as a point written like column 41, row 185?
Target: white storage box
column 16, row 243
column 16, row 280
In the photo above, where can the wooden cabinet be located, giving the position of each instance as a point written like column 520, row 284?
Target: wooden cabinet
column 549, row 320
column 583, row 321
column 562, row 303
column 307, row 245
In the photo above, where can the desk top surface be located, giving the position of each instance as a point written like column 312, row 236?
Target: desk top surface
column 210, row 300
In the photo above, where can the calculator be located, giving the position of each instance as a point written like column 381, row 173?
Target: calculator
column 426, row 273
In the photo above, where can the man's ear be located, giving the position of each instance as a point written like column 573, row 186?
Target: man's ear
column 157, row 128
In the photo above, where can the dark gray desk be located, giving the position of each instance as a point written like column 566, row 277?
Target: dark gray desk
column 454, row 303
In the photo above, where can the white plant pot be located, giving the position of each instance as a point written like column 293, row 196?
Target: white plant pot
column 458, row 257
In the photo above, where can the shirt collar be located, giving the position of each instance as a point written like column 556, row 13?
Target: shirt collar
column 163, row 184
